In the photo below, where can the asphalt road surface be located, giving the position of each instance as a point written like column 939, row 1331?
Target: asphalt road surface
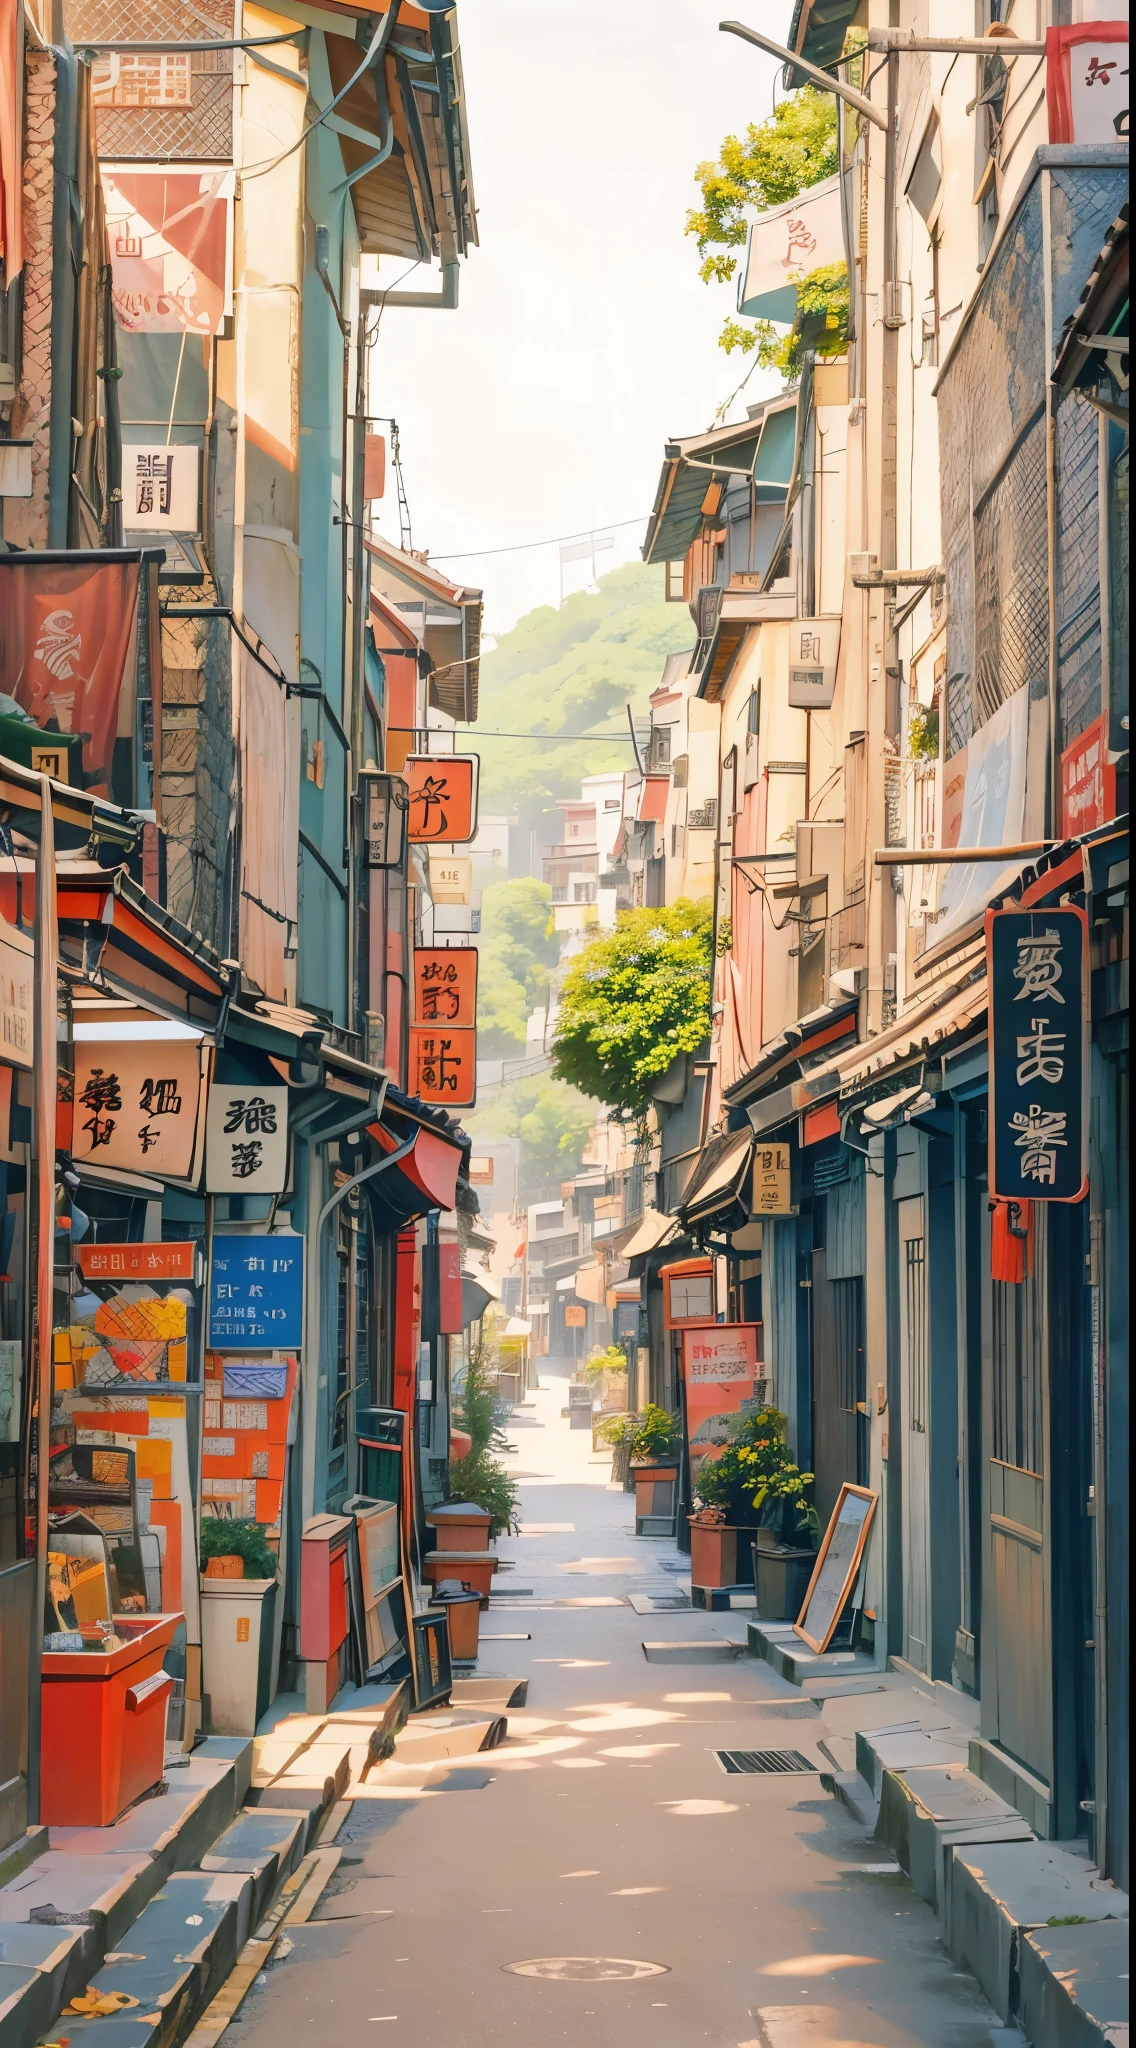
column 650, row 1899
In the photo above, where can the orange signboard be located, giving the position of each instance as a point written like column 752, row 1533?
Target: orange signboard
column 445, row 985
column 176, row 1261
column 443, row 1065
column 443, row 797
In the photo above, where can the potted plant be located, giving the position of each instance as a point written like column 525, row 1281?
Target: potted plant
column 785, row 1549
column 655, row 1445
column 237, row 1625
column 618, row 1430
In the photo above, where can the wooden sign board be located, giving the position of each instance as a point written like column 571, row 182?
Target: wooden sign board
column 138, row 1105
column 772, row 1195
column 444, row 987
column 838, row 1562
column 443, row 1065
column 443, row 797
column 575, row 1318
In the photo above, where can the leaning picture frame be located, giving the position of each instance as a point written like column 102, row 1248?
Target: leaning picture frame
column 838, row 1563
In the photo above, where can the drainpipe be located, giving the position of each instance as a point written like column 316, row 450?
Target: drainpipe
column 64, row 208
column 45, row 1067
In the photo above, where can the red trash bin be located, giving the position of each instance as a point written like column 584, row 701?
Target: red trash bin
column 104, row 1724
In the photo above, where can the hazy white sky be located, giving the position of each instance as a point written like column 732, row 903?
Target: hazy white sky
column 584, row 338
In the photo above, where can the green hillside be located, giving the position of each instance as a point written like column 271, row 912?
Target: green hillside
column 567, row 671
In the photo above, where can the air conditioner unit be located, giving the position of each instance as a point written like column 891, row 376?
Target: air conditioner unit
column 814, row 648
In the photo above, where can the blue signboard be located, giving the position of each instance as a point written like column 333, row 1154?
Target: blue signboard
column 1038, row 968
column 256, row 1294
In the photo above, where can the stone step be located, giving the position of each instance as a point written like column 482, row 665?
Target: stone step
column 1000, row 1892
column 778, row 1644
column 1074, row 1985
column 265, row 1844
column 904, row 1748
column 927, row 1810
column 178, row 1953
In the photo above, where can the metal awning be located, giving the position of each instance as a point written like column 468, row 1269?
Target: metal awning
column 691, row 465
column 718, row 1177
column 799, row 1041
column 652, row 1230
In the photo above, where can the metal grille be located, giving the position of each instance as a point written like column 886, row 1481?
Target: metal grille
column 764, row 1763
column 1078, row 567
column 848, row 1321
column 915, row 1281
column 1011, row 598
column 202, row 130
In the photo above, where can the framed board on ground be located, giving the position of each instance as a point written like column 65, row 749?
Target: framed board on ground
column 838, row 1562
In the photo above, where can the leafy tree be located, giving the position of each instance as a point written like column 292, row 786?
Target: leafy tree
column 794, row 149
column 632, row 1001
column 550, row 1119
column 517, row 951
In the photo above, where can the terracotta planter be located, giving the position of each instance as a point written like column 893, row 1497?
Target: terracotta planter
column 713, row 1554
column 460, row 1526
column 463, row 1617
column 656, row 1485
column 224, row 1568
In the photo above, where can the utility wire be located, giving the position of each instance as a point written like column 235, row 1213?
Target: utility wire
column 581, row 533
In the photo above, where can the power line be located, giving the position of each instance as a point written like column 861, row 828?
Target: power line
column 577, row 738
column 581, row 533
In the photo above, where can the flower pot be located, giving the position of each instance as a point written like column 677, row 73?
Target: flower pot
column 463, row 1616
column 104, row 1723
column 656, row 1484
column 225, row 1567
column 780, row 1580
column 713, row 1554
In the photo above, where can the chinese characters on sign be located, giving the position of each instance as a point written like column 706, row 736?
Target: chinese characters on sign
column 725, row 1352
column 443, row 1065
column 1037, row 962
column 175, row 1261
column 771, row 1178
column 443, row 797
column 136, row 1105
column 161, row 488
column 445, row 985
column 246, row 1140
column 256, row 1293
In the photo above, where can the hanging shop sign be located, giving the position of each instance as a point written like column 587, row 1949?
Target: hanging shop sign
column 65, row 636
column 1037, row 962
column 256, row 1293
column 786, row 244
column 445, row 986
column 688, row 1293
column 772, row 1178
column 384, row 816
column 814, row 650
column 139, row 1261
column 1088, row 782
column 171, row 248
column 139, row 1105
column 17, row 977
column 246, row 1141
column 1086, row 82
column 443, row 1065
column 719, row 1368
column 160, row 487
column 575, row 1318
column 443, row 797
column 451, row 877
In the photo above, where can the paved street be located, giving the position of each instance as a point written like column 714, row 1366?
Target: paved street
column 605, row 1828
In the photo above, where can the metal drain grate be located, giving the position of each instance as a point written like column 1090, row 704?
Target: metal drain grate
column 763, row 1762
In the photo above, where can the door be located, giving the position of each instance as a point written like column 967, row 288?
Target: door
column 17, row 1610
column 1017, row 1699
column 839, row 1426
column 915, row 1408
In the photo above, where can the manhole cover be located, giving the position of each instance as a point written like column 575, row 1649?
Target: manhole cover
column 763, row 1762
column 586, row 1969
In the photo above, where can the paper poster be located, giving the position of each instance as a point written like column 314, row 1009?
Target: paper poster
column 719, row 1368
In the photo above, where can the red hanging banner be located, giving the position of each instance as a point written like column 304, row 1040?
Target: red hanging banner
column 65, row 633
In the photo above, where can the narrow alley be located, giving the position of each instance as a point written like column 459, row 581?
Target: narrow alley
column 599, row 1878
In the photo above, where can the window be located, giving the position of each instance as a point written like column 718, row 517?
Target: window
column 753, row 711
column 848, row 1319
column 915, row 1291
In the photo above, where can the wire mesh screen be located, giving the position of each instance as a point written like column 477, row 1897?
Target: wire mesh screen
column 1078, row 565
column 1010, row 580
column 134, row 117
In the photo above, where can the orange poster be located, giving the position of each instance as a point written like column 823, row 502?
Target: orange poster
column 170, row 234
column 443, row 1065
column 139, row 1105
column 65, row 632
column 443, row 797
column 719, row 1367
column 445, row 985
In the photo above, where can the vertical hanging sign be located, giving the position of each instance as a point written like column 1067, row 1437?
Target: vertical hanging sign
column 1037, row 964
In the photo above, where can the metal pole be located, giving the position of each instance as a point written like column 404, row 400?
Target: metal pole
column 816, row 77
column 45, row 1073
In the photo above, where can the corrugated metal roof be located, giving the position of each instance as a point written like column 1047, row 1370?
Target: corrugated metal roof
column 691, row 465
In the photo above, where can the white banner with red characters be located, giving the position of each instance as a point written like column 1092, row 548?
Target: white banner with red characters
column 171, row 248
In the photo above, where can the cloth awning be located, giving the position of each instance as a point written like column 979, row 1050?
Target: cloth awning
column 717, row 1180
column 652, row 1230
column 476, row 1298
